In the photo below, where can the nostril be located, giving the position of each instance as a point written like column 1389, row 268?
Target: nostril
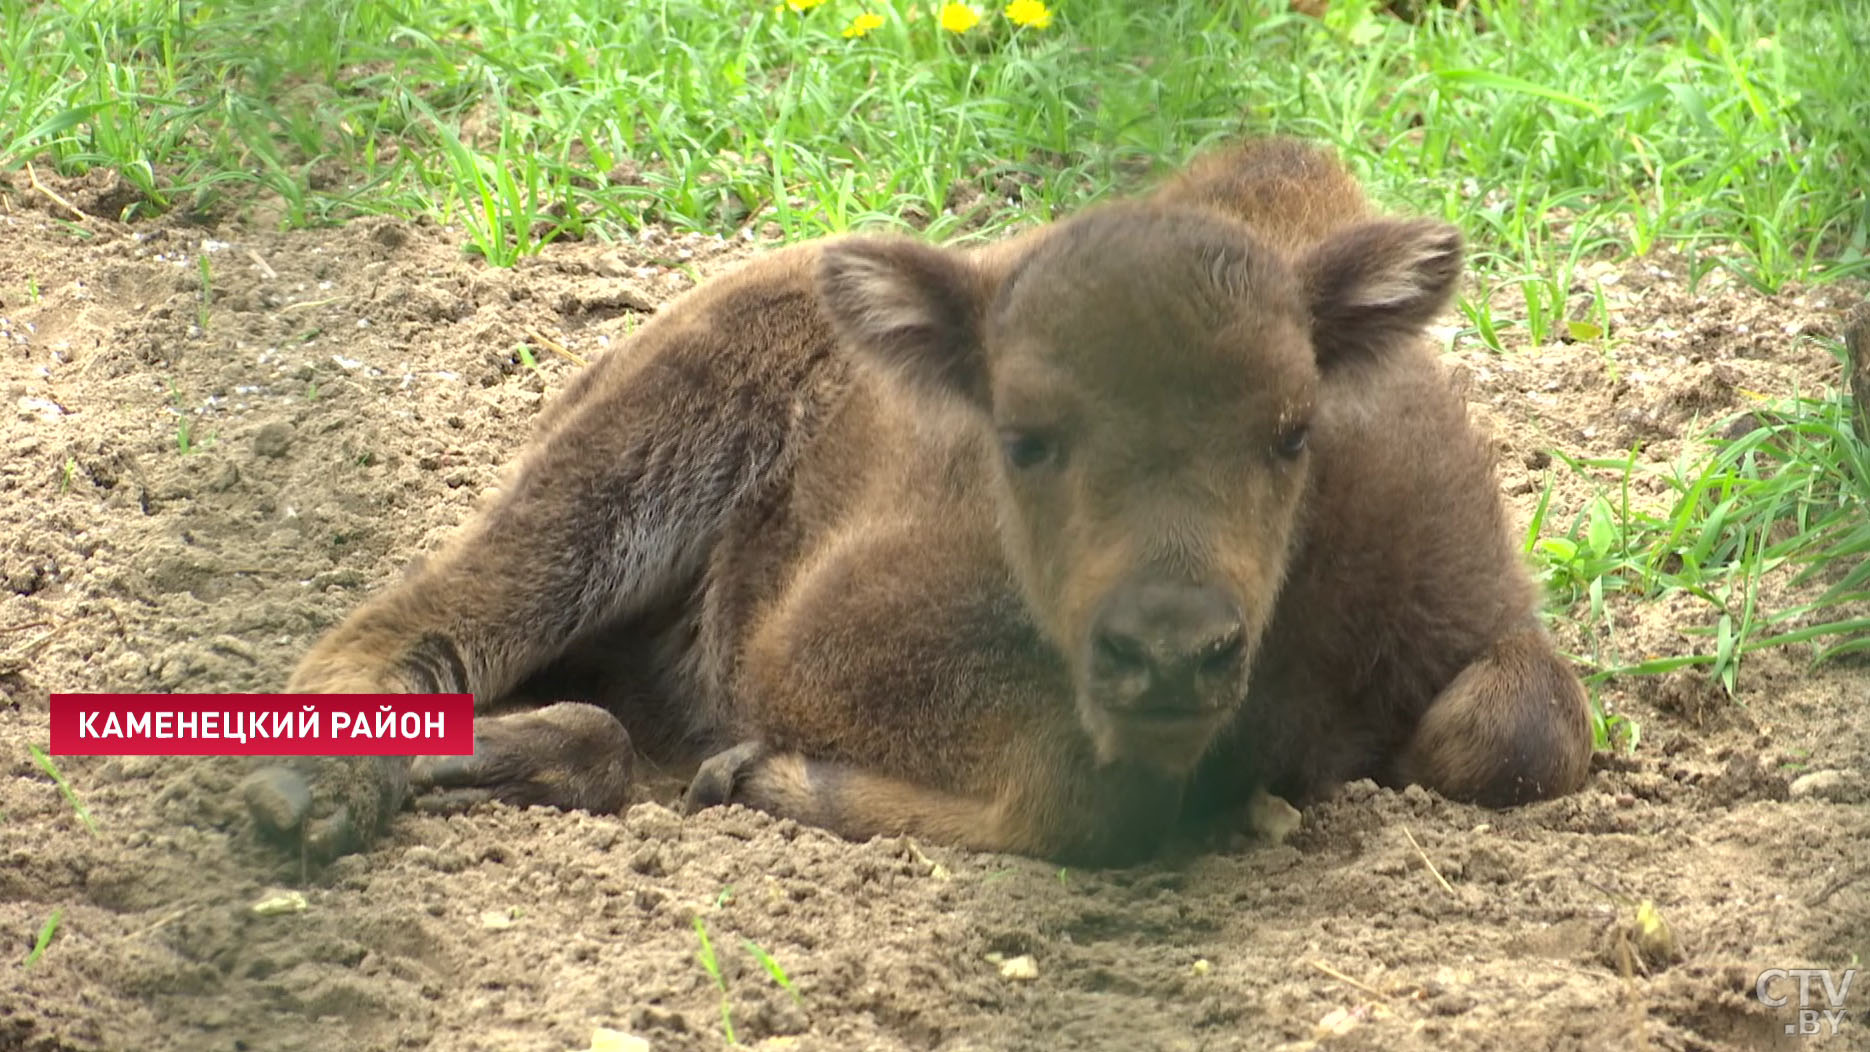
column 1119, row 654
column 1222, row 656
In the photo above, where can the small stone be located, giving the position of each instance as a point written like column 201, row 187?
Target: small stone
column 647, row 860
column 273, row 440
column 276, row 902
column 1336, row 1023
column 42, row 409
column 1341, row 1021
column 604, row 1039
column 496, row 920
column 442, row 861
column 653, row 822
column 1020, row 969
column 1453, row 1004
column 1838, row 787
column 1271, row 817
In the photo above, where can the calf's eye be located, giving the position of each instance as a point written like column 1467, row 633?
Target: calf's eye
column 1291, row 441
column 1026, row 450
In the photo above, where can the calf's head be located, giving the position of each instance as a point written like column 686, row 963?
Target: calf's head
column 1150, row 375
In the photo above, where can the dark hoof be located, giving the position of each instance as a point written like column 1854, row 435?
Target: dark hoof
column 451, row 801
column 325, row 806
column 450, row 772
column 572, row 756
column 278, row 798
column 719, row 775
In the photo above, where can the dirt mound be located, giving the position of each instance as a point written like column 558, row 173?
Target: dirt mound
column 215, row 442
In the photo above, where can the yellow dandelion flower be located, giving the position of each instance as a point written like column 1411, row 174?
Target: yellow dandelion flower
column 958, row 18
column 1033, row 14
column 863, row 24
column 802, row 6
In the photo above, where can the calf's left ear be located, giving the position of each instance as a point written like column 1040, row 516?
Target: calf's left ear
column 1373, row 284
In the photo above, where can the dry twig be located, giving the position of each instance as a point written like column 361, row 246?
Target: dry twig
column 1341, row 977
column 557, row 348
column 54, row 196
column 1423, row 855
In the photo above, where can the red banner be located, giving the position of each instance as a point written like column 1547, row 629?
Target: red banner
column 262, row 724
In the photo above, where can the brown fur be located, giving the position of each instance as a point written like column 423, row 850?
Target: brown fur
column 1035, row 548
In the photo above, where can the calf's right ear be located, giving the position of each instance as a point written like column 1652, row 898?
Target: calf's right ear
column 911, row 308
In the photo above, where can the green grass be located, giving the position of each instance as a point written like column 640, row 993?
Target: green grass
column 1782, row 498
column 46, row 764
column 712, row 965
column 185, row 435
column 772, row 967
column 44, row 939
column 186, row 441
column 1550, row 131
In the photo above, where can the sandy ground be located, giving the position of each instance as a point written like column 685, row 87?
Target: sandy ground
column 349, row 393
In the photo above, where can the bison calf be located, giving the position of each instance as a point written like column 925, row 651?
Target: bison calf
column 1030, row 548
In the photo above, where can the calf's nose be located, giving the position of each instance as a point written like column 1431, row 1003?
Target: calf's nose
column 1168, row 648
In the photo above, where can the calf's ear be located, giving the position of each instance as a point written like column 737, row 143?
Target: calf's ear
column 1374, row 284
column 911, row 308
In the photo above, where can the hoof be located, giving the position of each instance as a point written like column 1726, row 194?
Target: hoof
column 278, row 798
column 325, row 807
column 719, row 775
